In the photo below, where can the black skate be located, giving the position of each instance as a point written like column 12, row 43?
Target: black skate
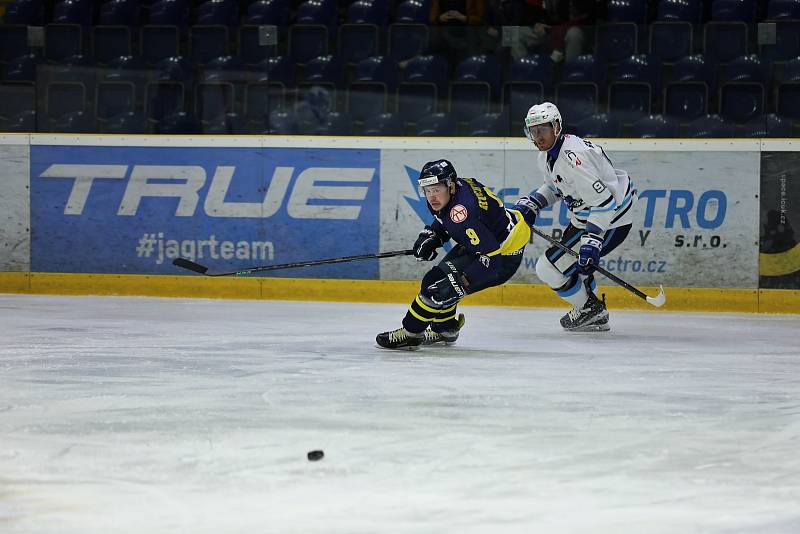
column 592, row 317
column 447, row 337
column 400, row 339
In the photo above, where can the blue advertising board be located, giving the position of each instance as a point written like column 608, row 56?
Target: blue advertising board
column 134, row 209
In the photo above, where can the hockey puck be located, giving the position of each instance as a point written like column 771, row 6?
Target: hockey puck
column 313, row 456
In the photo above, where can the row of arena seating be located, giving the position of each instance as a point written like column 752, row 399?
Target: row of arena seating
column 381, row 12
column 720, row 42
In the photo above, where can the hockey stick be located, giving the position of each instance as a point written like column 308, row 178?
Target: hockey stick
column 202, row 269
column 656, row 301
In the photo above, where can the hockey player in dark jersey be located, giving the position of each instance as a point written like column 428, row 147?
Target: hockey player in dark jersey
column 489, row 244
column 599, row 197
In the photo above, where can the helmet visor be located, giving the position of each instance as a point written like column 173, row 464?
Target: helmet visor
column 534, row 130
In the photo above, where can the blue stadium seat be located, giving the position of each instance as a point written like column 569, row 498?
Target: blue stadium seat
column 13, row 41
column 62, row 98
column 601, row 125
column 413, row 11
column 25, row 12
column 261, row 99
column 641, row 68
column 787, row 42
column 307, row 41
column 278, row 69
column 281, row 121
column 585, row 68
column 406, row 40
column 469, row 99
column 163, row 98
column 791, row 71
column 629, row 100
column 17, row 107
column 686, row 100
column 169, row 13
column 783, row 9
column 357, row 42
column 158, row 42
column 110, row 42
column 250, row 48
column 126, row 69
column 325, row 71
column 488, row 125
column 437, row 125
column 21, row 69
column 770, row 125
column 746, row 69
column 416, row 100
column 73, row 122
column 531, row 78
column 73, row 12
column 176, row 69
column 274, row 12
column 114, row 98
column 615, row 41
column 207, row 43
column 218, row 12
column 119, row 13
column 133, row 122
column 230, row 69
column 335, row 123
column 482, row 69
column 741, row 101
column 227, row 124
column 709, row 126
column 377, row 69
column 788, row 100
column 670, row 41
column 734, row 10
column 724, row 41
column 366, row 99
column 368, row 12
column 578, row 99
column 694, row 68
column 178, row 123
column 214, row 100
column 322, row 12
column 62, row 41
column 654, row 126
column 428, row 69
column 680, row 10
column 627, row 11
column 385, row 124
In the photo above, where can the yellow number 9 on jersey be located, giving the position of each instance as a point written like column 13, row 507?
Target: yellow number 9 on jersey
column 473, row 236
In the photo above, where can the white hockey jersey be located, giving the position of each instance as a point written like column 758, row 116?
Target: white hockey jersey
column 584, row 178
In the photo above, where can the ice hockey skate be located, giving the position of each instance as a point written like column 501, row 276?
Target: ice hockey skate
column 448, row 337
column 591, row 317
column 400, row 339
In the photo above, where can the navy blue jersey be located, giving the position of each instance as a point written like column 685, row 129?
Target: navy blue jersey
column 478, row 220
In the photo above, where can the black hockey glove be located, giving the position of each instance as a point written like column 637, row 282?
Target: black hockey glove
column 529, row 208
column 426, row 244
column 448, row 290
column 589, row 253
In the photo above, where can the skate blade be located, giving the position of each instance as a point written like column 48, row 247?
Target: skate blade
column 406, row 348
column 604, row 327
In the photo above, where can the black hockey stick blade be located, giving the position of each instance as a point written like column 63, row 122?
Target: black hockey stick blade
column 202, row 269
column 192, row 266
column 656, row 301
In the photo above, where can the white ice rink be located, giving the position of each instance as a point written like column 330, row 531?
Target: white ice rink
column 123, row 415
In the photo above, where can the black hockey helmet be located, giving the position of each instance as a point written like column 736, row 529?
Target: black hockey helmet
column 435, row 172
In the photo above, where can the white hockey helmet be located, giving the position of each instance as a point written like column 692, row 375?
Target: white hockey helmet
column 543, row 113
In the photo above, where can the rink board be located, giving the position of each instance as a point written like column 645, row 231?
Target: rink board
column 102, row 207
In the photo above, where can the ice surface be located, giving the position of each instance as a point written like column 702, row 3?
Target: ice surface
column 195, row 416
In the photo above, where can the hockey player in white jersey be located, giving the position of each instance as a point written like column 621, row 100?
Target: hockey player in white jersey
column 599, row 197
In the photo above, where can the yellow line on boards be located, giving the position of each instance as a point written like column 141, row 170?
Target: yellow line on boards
column 390, row 291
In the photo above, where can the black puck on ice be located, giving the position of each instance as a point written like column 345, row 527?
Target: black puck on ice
column 313, row 456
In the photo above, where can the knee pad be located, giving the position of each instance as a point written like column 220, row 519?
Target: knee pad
column 548, row 273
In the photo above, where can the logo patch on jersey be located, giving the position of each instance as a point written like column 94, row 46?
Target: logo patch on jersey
column 458, row 213
column 572, row 157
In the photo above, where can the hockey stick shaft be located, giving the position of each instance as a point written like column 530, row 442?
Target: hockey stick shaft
column 202, row 269
column 656, row 301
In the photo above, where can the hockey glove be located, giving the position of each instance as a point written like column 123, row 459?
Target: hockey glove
column 589, row 253
column 426, row 244
column 448, row 290
column 529, row 208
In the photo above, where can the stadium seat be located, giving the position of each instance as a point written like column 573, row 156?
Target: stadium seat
column 25, row 12
column 176, row 69
column 377, row 69
column 227, row 124
column 261, row 99
column 537, row 68
column 17, row 107
column 368, row 12
column 178, row 123
column 680, row 10
column 694, row 68
column 13, row 41
column 469, row 99
column 218, row 12
column 207, row 43
column 416, row 100
column 428, row 69
column 317, row 12
column 746, row 69
column 615, row 41
column 407, row 40
column 119, row 13
column 281, row 121
column 273, row 12
column 601, row 125
column 627, row 11
column 741, row 101
column 158, row 42
column 787, row 42
column 357, row 42
column 169, row 13
column 437, row 125
column 670, row 41
column 278, row 69
column 734, row 11
column 114, row 98
column 585, row 68
column 214, row 100
column 385, row 124
column 488, row 125
column 709, row 126
column 62, row 98
column 686, row 100
column 578, row 99
column 133, row 122
column 654, row 126
column 724, row 41
column 365, row 99
column 788, row 100
column 783, row 9
column 324, row 70
column 766, row 126
column 21, row 69
column 163, row 98
column 73, row 12
column 413, row 11
column 62, row 41
column 110, row 42
column 335, row 123
column 307, row 41
column 250, row 48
